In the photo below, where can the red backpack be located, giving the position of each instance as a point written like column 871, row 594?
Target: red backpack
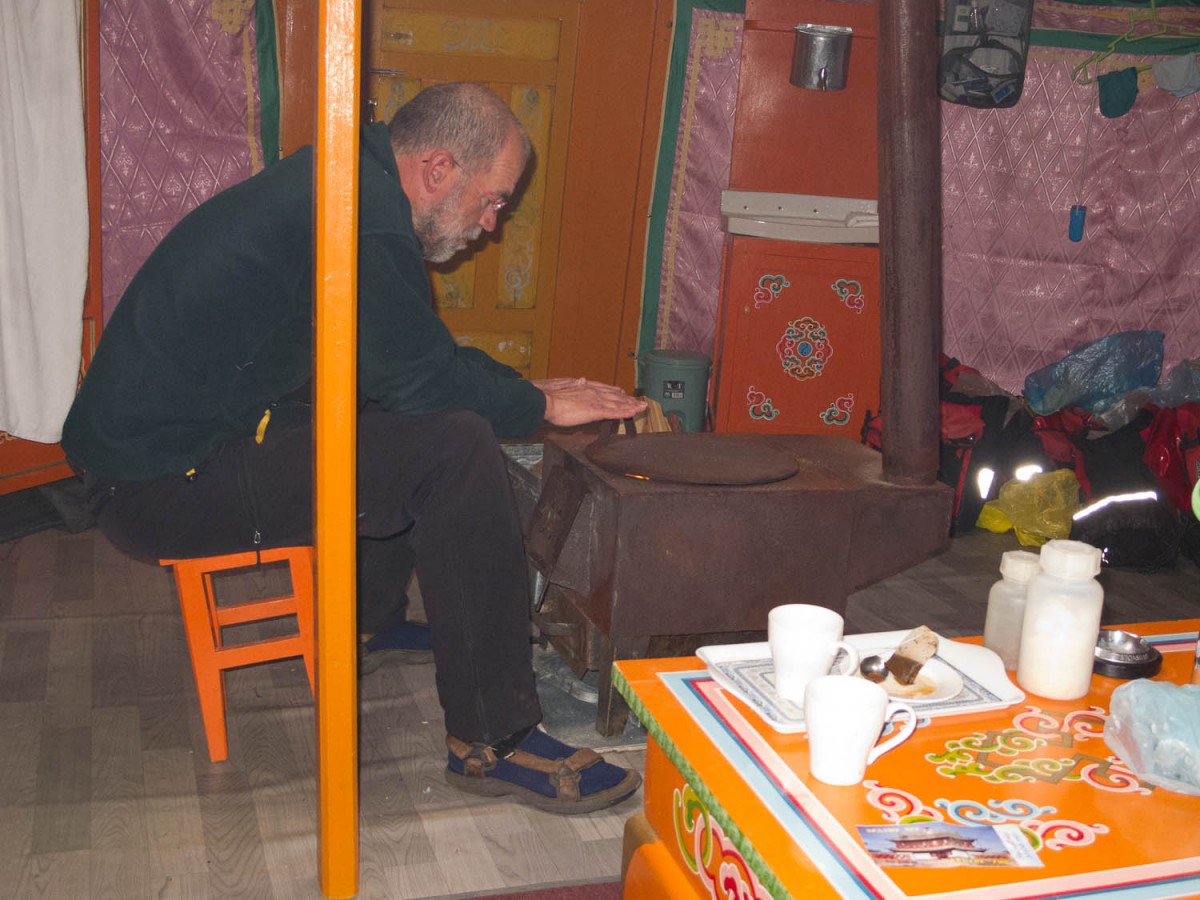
column 1173, row 451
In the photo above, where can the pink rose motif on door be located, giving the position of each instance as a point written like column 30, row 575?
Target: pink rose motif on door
column 804, row 348
column 769, row 288
column 839, row 410
column 760, row 405
column 849, row 292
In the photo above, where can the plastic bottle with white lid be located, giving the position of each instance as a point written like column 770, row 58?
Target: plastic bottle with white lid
column 1006, row 605
column 1062, row 621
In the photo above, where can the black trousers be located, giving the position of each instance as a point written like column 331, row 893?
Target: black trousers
column 432, row 490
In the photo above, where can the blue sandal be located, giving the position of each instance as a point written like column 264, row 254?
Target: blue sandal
column 542, row 772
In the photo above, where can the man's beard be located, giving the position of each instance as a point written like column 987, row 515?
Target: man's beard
column 437, row 231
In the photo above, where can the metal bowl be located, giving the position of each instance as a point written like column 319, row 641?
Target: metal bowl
column 1122, row 646
column 1122, row 654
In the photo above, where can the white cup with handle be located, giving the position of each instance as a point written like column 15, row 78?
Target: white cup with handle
column 804, row 641
column 844, row 717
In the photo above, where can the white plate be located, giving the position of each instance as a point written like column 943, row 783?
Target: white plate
column 936, row 681
column 746, row 671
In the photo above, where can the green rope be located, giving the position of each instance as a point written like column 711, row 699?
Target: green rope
column 268, row 79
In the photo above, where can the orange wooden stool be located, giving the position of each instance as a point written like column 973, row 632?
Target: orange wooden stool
column 203, row 620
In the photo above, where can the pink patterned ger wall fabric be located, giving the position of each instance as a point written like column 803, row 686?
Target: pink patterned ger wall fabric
column 178, row 119
column 1018, row 294
column 694, row 230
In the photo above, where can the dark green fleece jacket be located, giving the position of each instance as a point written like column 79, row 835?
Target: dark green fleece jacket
column 216, row 328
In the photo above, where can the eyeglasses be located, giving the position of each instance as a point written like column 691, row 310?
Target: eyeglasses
column 496, row 203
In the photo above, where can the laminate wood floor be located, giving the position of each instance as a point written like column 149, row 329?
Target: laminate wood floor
column 949, row 592
column 106, row 790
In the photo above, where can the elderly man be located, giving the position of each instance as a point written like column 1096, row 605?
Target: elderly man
column 192, row 430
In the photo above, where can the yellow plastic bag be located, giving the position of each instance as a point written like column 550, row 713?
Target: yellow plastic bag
column 1038, row 510
column 992, row 518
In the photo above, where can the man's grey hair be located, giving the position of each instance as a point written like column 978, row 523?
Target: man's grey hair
column 467, row 119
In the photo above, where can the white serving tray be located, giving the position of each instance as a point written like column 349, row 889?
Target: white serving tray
column 745, row 670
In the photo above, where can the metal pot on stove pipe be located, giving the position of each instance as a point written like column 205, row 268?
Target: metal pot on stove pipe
column 821, row 57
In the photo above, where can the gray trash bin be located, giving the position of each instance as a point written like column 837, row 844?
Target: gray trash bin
column 678, row 380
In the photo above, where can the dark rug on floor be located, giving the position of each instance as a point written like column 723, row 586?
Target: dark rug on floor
column 605, row 890
column 26, row 512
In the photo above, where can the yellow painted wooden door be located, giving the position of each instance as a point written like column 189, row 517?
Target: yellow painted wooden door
column 501, row 298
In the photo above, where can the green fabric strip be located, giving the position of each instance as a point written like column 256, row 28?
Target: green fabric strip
column 268, row 79
column 1080, row 40
column 672, row 107
column 1133, row 6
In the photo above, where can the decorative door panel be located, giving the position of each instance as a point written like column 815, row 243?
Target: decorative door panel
column 500, row 298
column 801, row 338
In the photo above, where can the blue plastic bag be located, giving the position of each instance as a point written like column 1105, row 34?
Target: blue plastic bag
column 1096, row 375
column 1154, row 727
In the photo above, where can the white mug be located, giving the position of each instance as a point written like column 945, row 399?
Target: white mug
column 804, row 641
column 844, row 717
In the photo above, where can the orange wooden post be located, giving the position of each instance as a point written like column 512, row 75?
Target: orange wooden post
column 335, row 350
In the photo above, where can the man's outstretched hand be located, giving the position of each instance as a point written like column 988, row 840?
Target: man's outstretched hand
column 577, row 401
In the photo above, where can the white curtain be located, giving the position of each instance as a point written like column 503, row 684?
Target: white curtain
column 43, row 215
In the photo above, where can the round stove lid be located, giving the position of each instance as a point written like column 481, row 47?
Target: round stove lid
column 693, row 458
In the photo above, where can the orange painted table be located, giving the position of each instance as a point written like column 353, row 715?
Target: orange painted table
column 731, row 811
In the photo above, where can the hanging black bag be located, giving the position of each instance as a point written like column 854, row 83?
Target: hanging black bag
column 984, row 48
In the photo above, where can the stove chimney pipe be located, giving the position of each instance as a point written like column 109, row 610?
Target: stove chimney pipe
column 910, row 226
